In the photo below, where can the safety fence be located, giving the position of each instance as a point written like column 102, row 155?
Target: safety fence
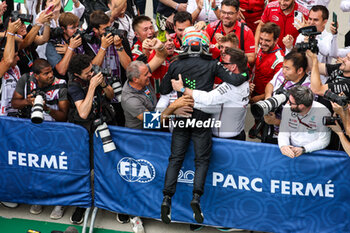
column 249, row 185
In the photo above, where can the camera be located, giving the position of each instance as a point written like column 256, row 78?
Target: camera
column 37, row 115
column 311, row 32
column 114, row 31
column 97, row 69
column 263, row 107
column 56, row 34
column 85, row 36
column 331, row 96
column 113, row 81
column 103, row 131
column 15, row 15
column 329, row 120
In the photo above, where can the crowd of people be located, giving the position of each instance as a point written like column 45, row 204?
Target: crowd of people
column 106, row 61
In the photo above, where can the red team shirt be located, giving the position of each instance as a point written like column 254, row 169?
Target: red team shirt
column 273, row 13
column 249, row 41
column 266, row 66
column 136, row 50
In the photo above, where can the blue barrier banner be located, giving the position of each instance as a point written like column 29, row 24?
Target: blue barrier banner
column 249, row 185
column 45, row 164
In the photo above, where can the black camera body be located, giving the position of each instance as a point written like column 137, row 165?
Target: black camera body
column 56, row 34
column 105, row 72
column 311, row 32
column 116, row 32
column 15, row 15
column 85, row 36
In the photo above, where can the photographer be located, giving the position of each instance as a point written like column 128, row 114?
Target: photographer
column 105, row 47
column 339, row 83
column 60, row 60
column 121, row 20
column 302, row 130
column 91, row 96
column 344, row 115
column 293, row 73
column 42, row 80
column 326, row 42
column 54, row 92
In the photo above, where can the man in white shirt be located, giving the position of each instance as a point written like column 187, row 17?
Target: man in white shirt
column 327, row 42
column 301, row 129
column 120, row 19
column 228, row 103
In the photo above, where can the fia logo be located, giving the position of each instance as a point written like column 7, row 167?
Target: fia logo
column 132, row 170
column 151, row 120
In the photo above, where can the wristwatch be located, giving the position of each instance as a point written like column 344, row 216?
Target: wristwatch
column 121, row 48
column 303, row 148
column 182, row 90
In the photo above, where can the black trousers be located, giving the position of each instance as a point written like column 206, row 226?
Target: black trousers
column 202, row 140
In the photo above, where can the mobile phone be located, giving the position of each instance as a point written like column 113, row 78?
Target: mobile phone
column 299, row 16
column 335, row 20
column 50, row 9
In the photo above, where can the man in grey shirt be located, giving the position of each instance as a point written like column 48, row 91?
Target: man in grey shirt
column 138, row 96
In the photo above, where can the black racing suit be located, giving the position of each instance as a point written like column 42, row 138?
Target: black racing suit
column 197, row 73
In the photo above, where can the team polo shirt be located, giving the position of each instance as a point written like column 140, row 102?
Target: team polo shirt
column 249, row 41
column 136, row 50
column 266, row 66
column 273, row 13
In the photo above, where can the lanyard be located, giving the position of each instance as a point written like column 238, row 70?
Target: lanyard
column 303, row 123
column 30, row 59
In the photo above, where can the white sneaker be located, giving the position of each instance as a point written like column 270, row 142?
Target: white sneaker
column 36, row 209
column 9, row 204
column 57, row 212
column 137, row 226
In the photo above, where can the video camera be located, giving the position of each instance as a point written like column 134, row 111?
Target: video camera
column 311, row 32
column 114, row 31
column 263, row 107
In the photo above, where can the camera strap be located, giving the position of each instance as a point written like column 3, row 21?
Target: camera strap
column 301, row 81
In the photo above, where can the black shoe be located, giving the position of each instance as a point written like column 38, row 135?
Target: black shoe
column 165, row 211
column 195, row 227
column 78, row 216
column 197, row 212
column 123, row 218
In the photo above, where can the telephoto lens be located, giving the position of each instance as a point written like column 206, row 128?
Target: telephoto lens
column 107, row 142
column 263, row 107
column 117, row 89
column 37, row 115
